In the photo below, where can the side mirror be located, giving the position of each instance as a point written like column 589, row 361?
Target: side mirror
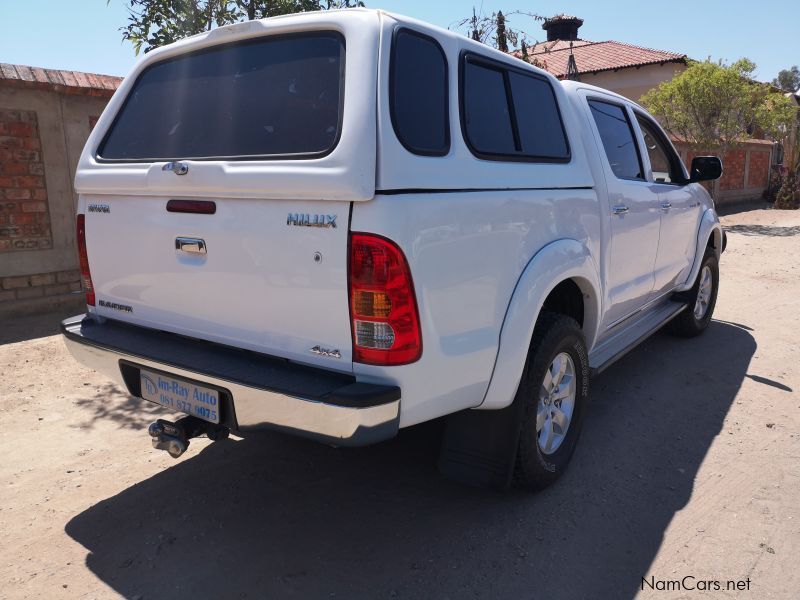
column 705, row 168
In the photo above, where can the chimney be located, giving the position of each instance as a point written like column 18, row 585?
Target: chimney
column 562, row 27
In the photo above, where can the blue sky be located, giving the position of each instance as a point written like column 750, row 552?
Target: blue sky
column 83, row 34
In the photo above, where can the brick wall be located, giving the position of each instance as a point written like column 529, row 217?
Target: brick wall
column 733, row 171
column 44, row 124
column 758, row 175
column 745, row 174
column 24, row 210
column 28, row 287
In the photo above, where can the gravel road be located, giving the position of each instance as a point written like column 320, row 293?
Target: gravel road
column 688, row 469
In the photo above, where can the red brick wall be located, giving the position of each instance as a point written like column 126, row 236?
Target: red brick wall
column 733, row 171
column 758, row 175
column 732, row 184
column 24, row 215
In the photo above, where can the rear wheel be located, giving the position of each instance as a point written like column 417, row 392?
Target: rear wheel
column 700, row 299
column 553, row 392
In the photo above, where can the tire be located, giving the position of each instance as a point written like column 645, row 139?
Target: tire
column 542, row 455
column 700, row 300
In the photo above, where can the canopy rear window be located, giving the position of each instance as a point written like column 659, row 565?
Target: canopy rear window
column 274, row 97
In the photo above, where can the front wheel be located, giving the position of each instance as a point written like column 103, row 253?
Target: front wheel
column 700, row 299
column 553, row 391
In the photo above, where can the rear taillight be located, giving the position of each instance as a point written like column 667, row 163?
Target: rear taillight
column 383, row 308
column 83, row 258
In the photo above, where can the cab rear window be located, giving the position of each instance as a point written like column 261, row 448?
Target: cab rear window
column 275, row 97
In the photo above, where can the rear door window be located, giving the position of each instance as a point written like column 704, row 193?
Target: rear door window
column 418, row 94
column 269, row 97
column 619, row 142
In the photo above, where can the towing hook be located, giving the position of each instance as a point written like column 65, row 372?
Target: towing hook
column 174, row 437
column 168, row 436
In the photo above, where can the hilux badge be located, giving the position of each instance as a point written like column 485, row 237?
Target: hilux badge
column 307, row 220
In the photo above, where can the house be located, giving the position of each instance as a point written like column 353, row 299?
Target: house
column 45, row 117
column 623, row 68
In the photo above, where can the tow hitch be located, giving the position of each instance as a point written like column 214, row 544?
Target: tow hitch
column 174, row 437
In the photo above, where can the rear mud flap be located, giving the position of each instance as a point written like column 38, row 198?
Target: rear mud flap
column 479, row 447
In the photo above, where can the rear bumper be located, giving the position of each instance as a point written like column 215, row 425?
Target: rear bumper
column 262, row 391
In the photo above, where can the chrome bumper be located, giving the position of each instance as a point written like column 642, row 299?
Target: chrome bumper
column 264, row 392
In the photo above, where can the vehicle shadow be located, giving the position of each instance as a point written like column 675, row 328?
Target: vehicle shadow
column 274, row 516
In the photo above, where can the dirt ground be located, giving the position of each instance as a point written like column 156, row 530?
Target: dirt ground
column 688, row 469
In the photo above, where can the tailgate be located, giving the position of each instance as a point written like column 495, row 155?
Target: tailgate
column 266, row 281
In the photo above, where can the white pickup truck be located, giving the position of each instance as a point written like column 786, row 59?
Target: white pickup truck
column 343, row 223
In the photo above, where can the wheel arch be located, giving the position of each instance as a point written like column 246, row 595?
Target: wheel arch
column 557, row 270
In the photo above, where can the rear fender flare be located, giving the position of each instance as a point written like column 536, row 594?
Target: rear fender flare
column 558, row 261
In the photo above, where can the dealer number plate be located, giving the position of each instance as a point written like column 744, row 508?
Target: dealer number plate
column 180, row 395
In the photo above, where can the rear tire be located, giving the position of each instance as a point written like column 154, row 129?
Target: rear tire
column 553, row 393
column 700, row 299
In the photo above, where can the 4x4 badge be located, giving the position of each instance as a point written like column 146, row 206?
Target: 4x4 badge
column 326, row 352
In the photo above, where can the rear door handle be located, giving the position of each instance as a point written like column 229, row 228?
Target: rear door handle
column 666, row 205
column 620, row 209
column 190, row 245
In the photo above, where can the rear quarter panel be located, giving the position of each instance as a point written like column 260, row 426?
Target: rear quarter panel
column 466, row 252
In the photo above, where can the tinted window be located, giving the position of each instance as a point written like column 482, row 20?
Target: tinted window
column 486, row 115
column 662, row 159
column 508, row 114
column 419, row 94
column 618, row 140
column 271, row 96
column 540, row 131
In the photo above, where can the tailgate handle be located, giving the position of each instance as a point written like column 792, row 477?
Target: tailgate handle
column 190, row 245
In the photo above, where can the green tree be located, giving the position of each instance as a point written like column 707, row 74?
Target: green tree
column 715, row 107
column 154, row 23
column 788, row 80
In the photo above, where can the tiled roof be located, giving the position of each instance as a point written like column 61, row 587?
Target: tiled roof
column 591, row 57
column 66, row 82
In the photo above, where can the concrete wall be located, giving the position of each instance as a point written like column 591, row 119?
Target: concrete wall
column 42, row 134
column 633, row 82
